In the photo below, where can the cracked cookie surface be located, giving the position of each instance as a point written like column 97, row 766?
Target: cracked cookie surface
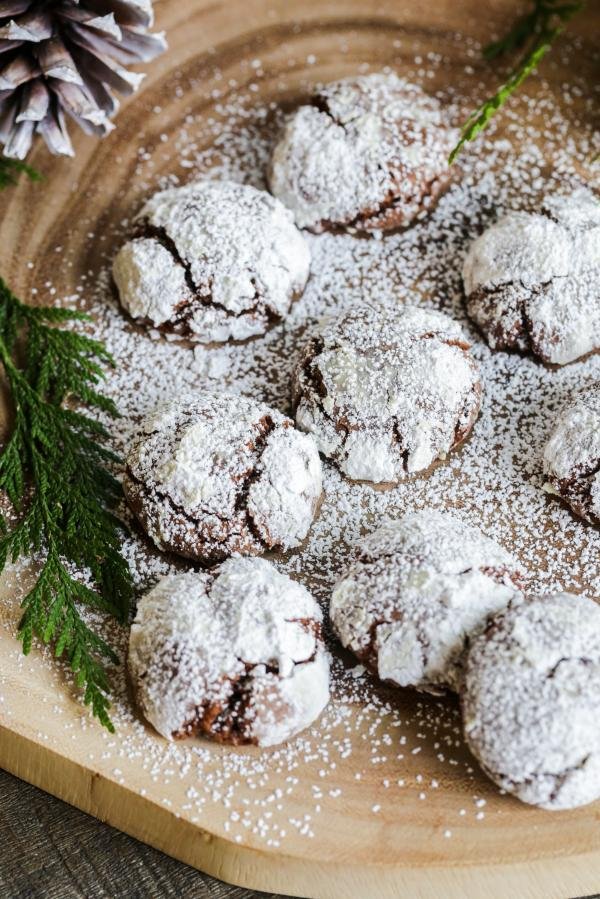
column 417, row 593
column 367, row 153
column 572, row 454
column 213, row 474
column 531, row 280
column 211, row 261
column 235, row 654
column 531, row 701
column 387, row 391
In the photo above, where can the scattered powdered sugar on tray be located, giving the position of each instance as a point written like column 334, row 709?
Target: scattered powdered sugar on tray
column 391, row 740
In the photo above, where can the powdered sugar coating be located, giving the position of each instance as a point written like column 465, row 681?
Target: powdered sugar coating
column 213, row 474
column 572, row 454
column 368, row 153
column 418, row 592
column 531, row 701
column 213, row 260
column 387, row 392
column 531, row 280
column 234, row 653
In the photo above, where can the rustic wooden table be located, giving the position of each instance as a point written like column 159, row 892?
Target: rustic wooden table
column 49, row 850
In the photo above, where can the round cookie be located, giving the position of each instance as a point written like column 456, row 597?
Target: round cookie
column 572, row 454
column 531, row 701
column 531, row 280
column 368, row 153
column 386, row 392
column 213, row 474
column 211, row 261
column 235, row 654
column 419, row 590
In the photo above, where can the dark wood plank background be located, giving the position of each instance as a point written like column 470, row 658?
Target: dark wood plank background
column 49, row 850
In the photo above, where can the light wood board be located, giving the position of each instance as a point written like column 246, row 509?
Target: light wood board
column 43, row 737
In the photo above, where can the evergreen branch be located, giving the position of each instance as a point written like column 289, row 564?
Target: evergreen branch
column 536, row 32
column 53, row 471
column 10, row 169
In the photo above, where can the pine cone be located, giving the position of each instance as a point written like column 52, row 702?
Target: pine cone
column 66, row 56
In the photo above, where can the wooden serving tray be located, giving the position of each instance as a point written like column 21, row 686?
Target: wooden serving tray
column 429, row 838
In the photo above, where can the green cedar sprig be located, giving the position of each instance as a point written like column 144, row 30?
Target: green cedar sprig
column 53, row 469
column 10, row 169
column 536, row 32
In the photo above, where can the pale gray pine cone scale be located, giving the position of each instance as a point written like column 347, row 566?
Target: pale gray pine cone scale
column 62, row 57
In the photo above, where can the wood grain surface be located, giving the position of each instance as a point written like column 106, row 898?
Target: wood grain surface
column 521, row 851
column 49, row 850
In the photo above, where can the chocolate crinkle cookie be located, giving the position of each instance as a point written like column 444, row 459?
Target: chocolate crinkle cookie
column 368, row 153
column 213, row 474
column 235, row 654
column 532, row 280
column 387, row 391
column 572, row 454
column 211, row 261
column 531, row 701
column 418, row 592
